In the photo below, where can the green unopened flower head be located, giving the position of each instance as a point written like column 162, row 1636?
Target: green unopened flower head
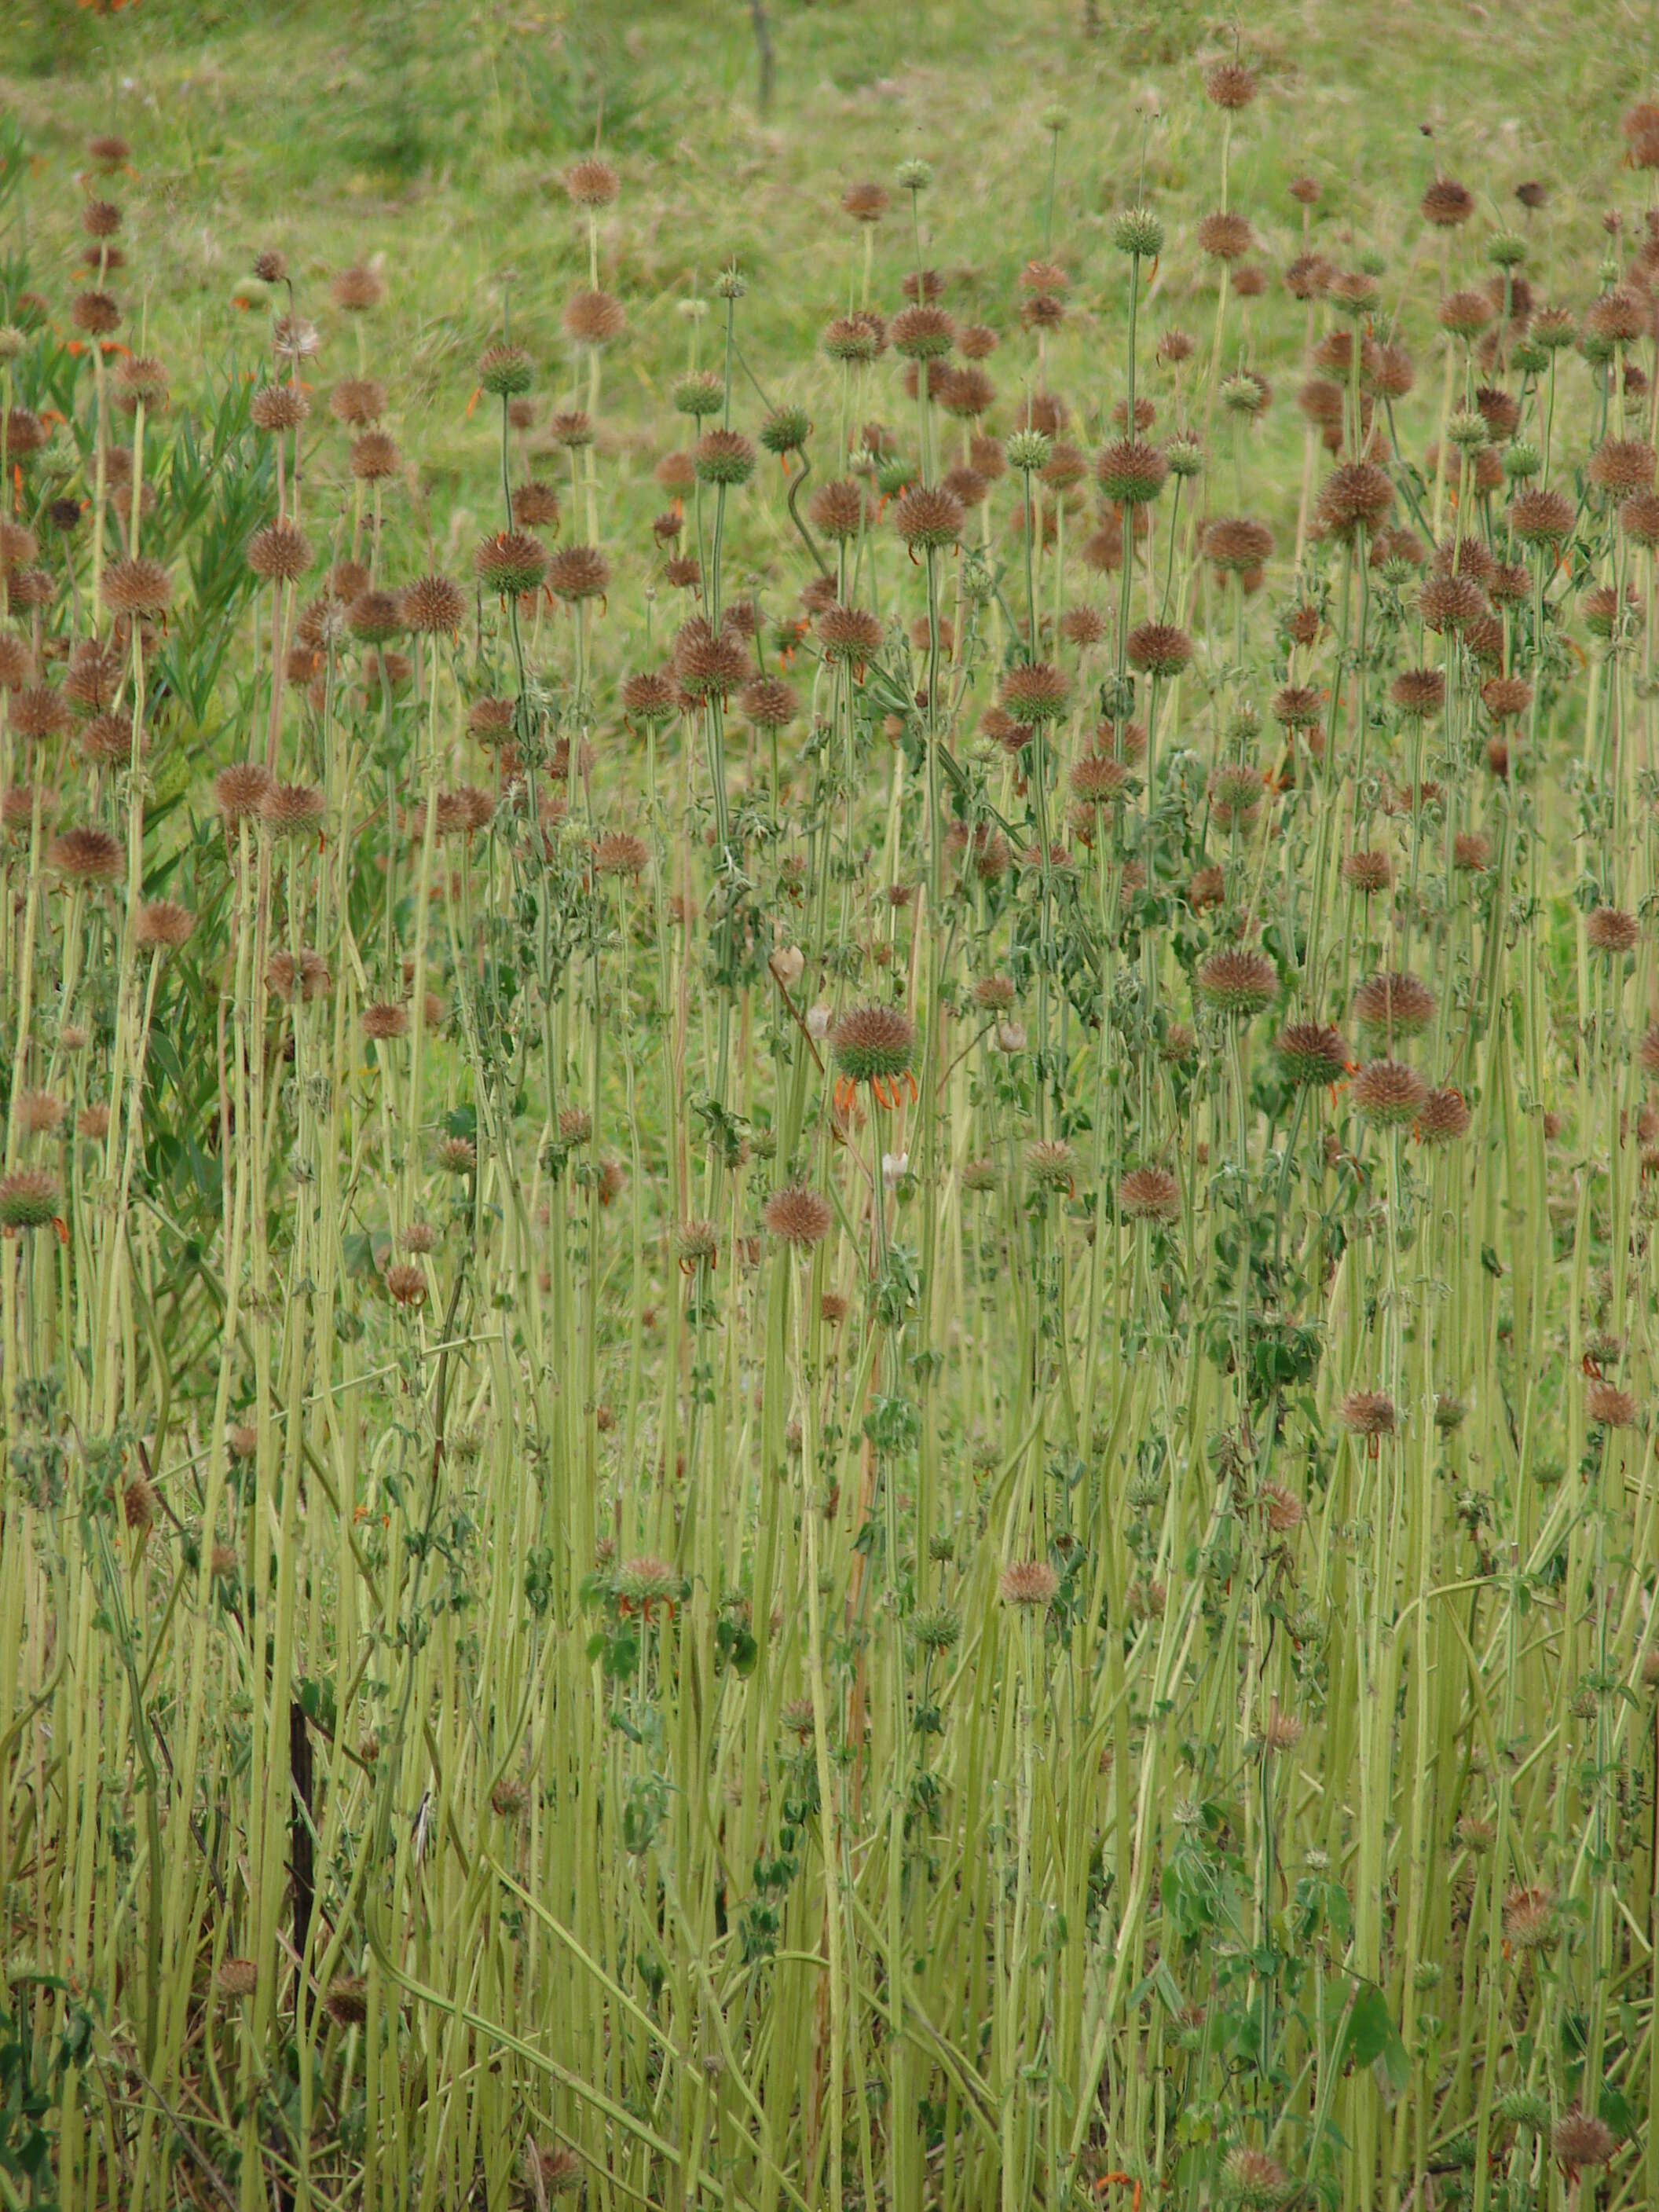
column 731, row 283
column 1138, row 230
column 1028, row 451
column 786, row 430
column 699, row 392
column 1243, row 394
column 1524, row 2108
column 1467, row 430
column 913, row 175
column 506, row 371
column 1184, row 454
column 1506, row 249
column 1522, row 460
column 935, row 1627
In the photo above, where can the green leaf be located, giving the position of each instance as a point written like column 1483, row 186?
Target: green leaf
column 1370, row 2035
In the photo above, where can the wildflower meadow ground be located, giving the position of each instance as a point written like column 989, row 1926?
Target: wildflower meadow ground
column 829, row 1067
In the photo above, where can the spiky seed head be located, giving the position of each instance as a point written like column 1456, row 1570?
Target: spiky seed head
column 25, row 433
column 1607, row 1407
column 509, row 563
column 1368, row 1413
column 1282, row 1731
column 1310, row 1053
column 873, row 1043
column 849, row 633
column 1254, row 2180
column 373, row 457
column 1035, row 691
column 405, row 1283
column 591, row 183
column 700, row 392
column 136, row 586
column 723, row 457
column 855, row 340
column 357, row 289
column 578, row 572
column 1446, row 204
column 594, row 319
column 38, row 711
column 1130, row 472
column 292, row 809
column 619, row 854
column 433, row 606
column 928, row 517
column 28, row 1200
column 1611, row 930
column 279, row 552
column 96, row 312
column 1370, row 872
column 1419, row 692
column 1098, row 778
column 1539, row 517
column 651, row 696
column 1581, row 2139
column 1230, row 84
column 356, row 401
column 798, row 1216
column 1394, row 1003
column 1444, row 1117
column 1465, row 314
column 237, row 1978
column 865, row 202
column 1236, row 982
column 768, row 704
column 1388, row 1093
column 1225, row 236
column 239, row 789
column 1246, row 393
column 922, row 332
column 1185, row 455
column 162, row 926
column 1159, row 649
column 306, row 974
column 1281, row 1507
column 375, row 617
column 1237, row 544
column 709, row 665
column 1149, row 1194
column 346, row 2000
column 1028, row 1585
column 1356, row 497
column 87, row 856
column 645, row 1581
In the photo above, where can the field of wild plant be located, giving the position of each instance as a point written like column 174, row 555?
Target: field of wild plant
column 827, row 1315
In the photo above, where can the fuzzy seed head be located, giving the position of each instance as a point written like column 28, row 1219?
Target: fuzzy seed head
column 1028, row 1585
